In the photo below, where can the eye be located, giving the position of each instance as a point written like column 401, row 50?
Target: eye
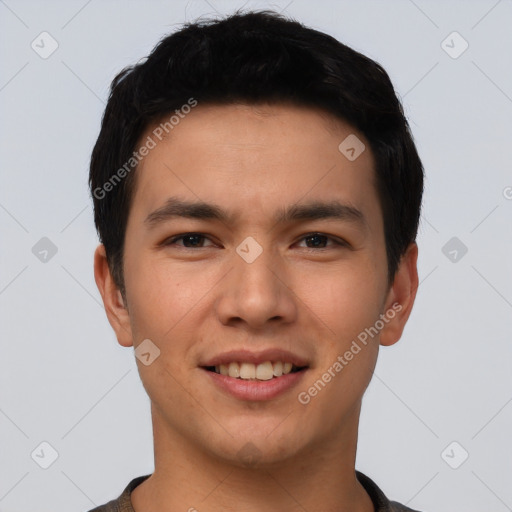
column 197, row 241
column 319, row 241
column 190, row 240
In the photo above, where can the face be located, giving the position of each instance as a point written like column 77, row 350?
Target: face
column 253, row 245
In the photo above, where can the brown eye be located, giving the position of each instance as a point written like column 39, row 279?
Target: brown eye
column 189, row 240
column 320, row 241
column 317, row 240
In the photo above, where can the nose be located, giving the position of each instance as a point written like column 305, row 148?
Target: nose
column 256, row 294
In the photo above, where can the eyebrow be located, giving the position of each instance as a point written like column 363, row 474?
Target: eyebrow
column 315, row 210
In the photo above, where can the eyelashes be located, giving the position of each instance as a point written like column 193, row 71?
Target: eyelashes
column 193, row 239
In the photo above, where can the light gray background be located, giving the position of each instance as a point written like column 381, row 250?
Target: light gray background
column 64, row 379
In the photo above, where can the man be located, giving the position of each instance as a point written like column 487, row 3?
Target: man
column 257, row 195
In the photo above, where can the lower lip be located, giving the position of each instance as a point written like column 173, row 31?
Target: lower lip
column 256, row 390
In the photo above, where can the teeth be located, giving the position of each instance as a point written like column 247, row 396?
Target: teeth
column 278, row 369
column 249, row 371
column 234, row 370
column 265, row 371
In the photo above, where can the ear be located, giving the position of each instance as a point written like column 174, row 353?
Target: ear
column 115, row 308
column 401, row 295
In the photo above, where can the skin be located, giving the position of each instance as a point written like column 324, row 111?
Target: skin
column 199, row 301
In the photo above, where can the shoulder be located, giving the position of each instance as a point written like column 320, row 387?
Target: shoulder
column 111, row 506
column 123, row 503
column 398, row 507
column 379, row 499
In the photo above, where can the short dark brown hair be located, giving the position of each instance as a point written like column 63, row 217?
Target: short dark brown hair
column 255, row 57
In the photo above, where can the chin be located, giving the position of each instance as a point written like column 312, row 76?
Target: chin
column 258, row 448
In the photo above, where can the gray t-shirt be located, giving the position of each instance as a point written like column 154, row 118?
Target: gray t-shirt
column 380, row 502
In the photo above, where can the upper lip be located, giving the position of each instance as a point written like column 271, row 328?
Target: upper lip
column 247, row 356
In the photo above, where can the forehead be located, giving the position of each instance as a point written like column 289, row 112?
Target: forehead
column 251, row 158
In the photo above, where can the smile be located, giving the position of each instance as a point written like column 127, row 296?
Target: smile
column 267, row 370
column 255, row 376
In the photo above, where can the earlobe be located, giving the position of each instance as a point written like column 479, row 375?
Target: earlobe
column 115, row 308
column 401, row 296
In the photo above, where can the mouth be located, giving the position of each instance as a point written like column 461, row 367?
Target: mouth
column 268, row 370
column 256, row 376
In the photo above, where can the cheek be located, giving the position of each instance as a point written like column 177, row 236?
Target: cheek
column 159, row 296
column 349, row 307
column 346, row 300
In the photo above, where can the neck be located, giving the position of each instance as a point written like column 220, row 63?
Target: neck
column 320, row 477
